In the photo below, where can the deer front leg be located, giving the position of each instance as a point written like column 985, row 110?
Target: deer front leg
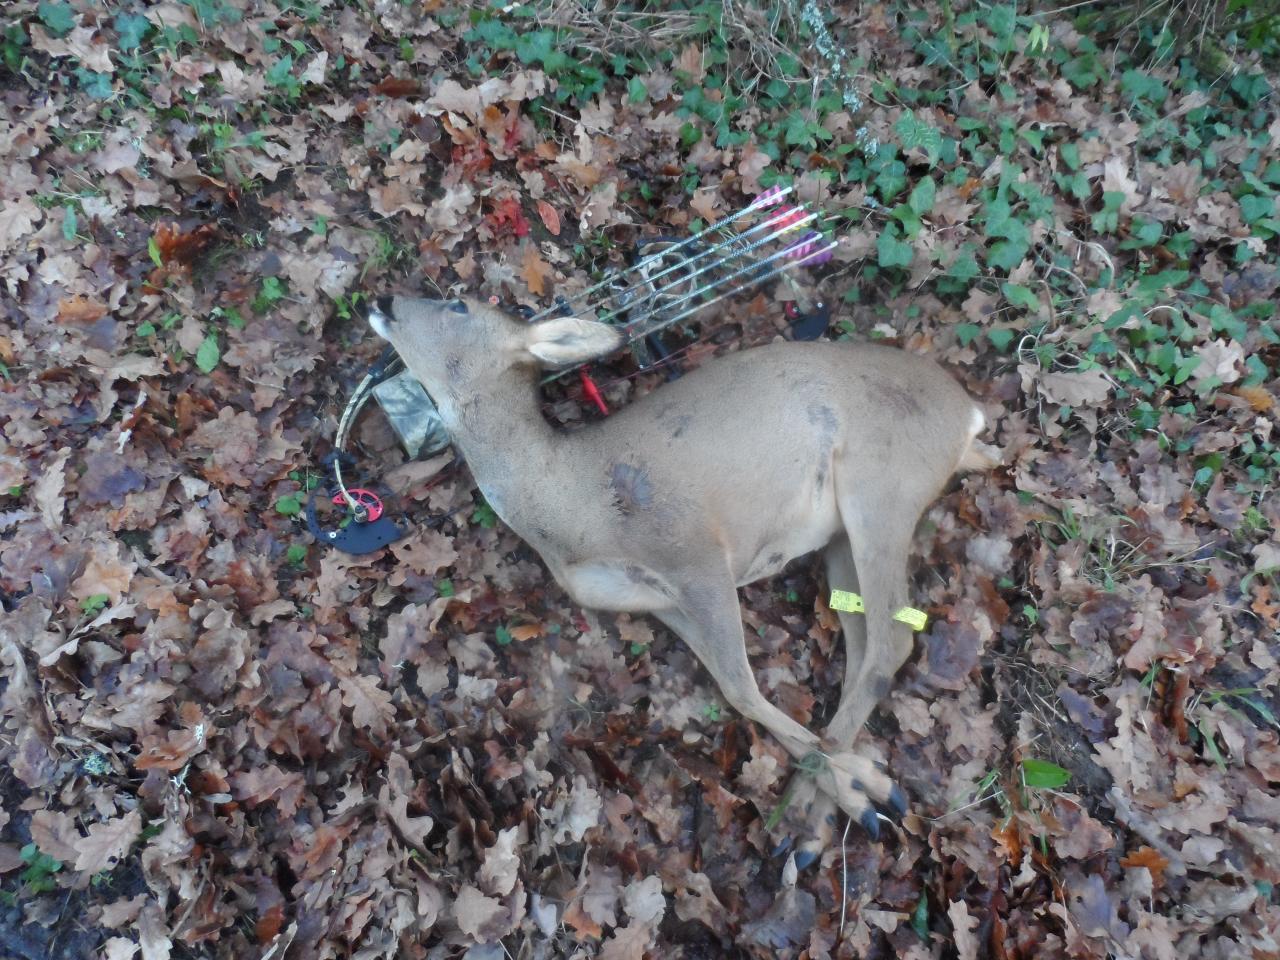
column 706, row 617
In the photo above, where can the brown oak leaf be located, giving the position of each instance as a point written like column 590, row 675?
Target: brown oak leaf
column 479, row 917
column 55, row 834
column 107, row 842
column 370, row 704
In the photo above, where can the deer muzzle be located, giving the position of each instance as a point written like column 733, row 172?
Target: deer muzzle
column 380, row 315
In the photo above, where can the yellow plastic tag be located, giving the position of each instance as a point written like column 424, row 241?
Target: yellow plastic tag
column 847, row 602
column 913, row 618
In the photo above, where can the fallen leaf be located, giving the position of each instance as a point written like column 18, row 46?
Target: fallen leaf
column 1076, row 388
column 107, row 842
column 1219, row 360
column 534, row 270
column 600, row 209
column 595, row 905
column 581, row 813
column 627, row 943
column 80, row 310
column 690, row 62
column 962, row 926
column 643, row 900
column 48, row 490
column 55, row 835
column 396, row 87
column 105, row 575
column 478, row 916
column 500, row 870
column 1149, row 858
column 1259, row 398
column 394, row 798
column 370, row 704
column 119, row 948
column 788, row 923
column 550, row 219
column 153, row 933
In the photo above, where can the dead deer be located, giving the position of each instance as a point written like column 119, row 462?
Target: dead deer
column 711, row 482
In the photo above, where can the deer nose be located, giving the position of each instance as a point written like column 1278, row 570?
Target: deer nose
column 379, row 316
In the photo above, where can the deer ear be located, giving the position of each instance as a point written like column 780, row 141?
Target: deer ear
column 569, row 340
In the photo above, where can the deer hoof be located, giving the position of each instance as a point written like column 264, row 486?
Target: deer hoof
column 894, row 807
column 855, row 784
column 870, row 823
column 898, row 801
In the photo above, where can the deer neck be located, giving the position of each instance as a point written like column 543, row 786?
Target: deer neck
column 502, row 434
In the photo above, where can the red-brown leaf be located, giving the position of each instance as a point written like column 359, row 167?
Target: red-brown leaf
column 550, row 219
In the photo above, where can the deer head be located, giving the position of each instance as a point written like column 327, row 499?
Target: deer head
column 447, row 344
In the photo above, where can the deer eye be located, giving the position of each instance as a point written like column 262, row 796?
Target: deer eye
column 458, row 306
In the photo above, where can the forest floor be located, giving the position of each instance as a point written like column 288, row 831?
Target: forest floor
column 222, row 740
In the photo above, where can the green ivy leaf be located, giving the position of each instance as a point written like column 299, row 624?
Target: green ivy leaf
column 279, row 72
column 1043, row 775
column 799, row 130
column 894, row 252
column 1035, row 137
column 1143, row 234
column 208, row 355
column 57, row 16
column 1107, row 220
column 502, row 635
column 1143, row 85
column 891, row 179
column 131, row 28
column 637, row 92
column 907, row 217
column 922, row 197
column 69, row 223
column 1006, row 254
column 1070, row 154
column 96, row 85
column 1020, row 296
column 914, row 133
column 1254, row 207
column 965, row 266
column 1184, row 367
column 1082, row 72
column 1000, row 339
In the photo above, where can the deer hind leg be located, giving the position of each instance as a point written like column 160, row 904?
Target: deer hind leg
column 881, row 560
column 879, row 551
column 809, row 808
column 706, row 617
